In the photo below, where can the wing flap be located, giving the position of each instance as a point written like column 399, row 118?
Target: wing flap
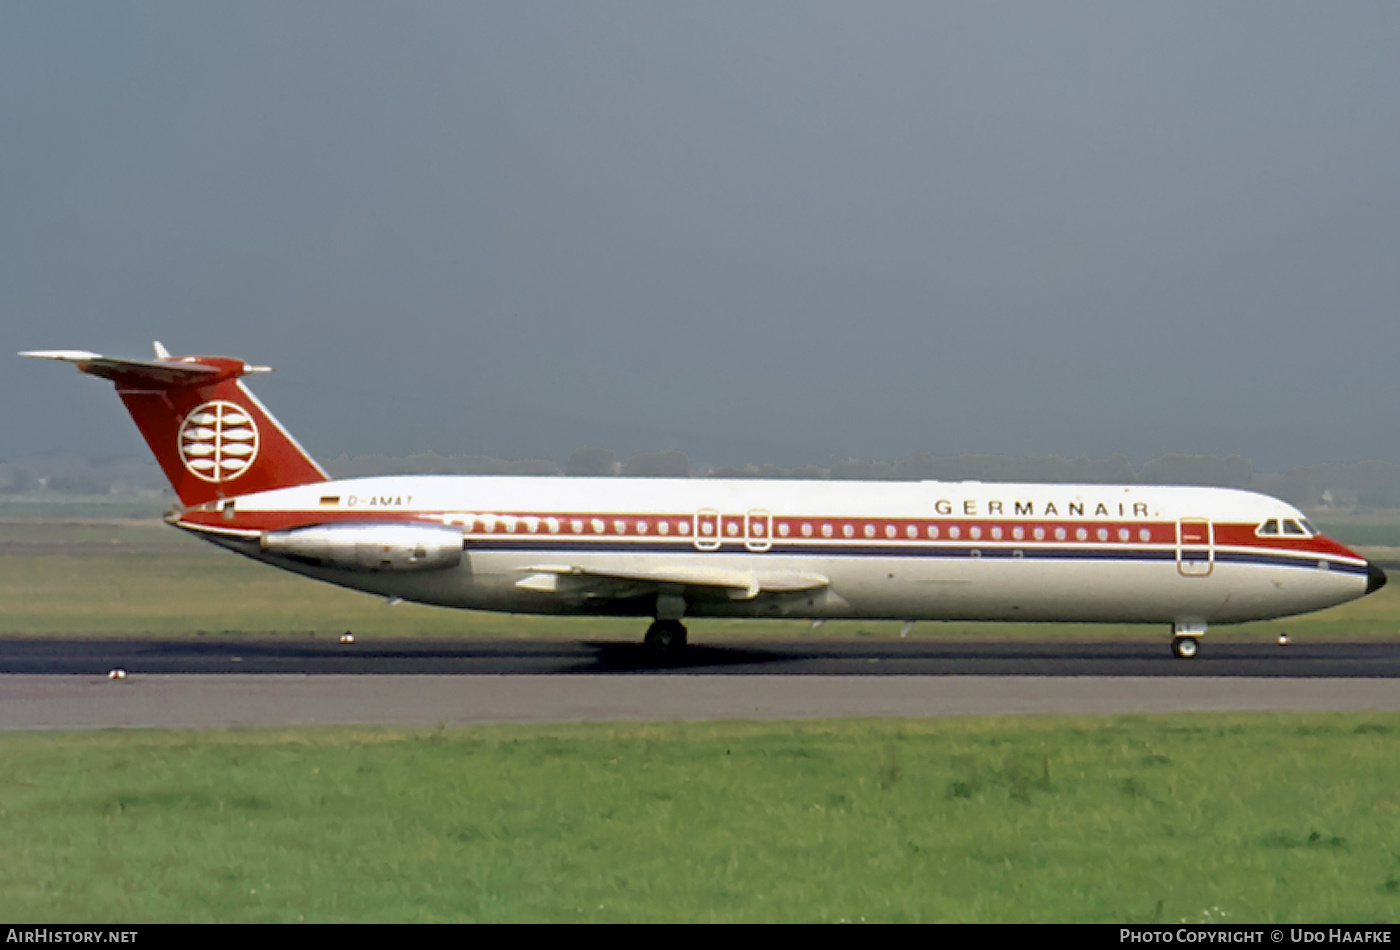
column 740, row 585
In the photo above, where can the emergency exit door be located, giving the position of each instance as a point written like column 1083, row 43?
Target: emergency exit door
column 1195, row 547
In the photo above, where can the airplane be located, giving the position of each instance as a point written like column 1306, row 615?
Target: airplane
column 670, row 549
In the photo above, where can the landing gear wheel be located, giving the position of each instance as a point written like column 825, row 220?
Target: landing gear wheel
column 666, row 636
column 1185, row 647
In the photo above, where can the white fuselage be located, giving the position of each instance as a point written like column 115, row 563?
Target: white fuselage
column 828, row 549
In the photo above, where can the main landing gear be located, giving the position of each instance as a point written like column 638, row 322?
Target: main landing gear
column 1186, row 641
column 667, row 633
column 666, row 636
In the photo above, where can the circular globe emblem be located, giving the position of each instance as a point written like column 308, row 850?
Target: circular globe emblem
column 218, row 441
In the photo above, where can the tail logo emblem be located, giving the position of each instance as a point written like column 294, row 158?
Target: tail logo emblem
column 218, row 441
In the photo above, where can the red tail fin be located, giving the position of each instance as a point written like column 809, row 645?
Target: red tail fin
column 210, row 434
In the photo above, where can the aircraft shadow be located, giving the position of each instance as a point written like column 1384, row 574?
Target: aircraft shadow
column 638, row 658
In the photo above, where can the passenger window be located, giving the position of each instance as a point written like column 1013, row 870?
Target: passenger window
column 1268, row 527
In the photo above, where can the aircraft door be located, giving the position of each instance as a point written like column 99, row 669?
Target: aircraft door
column 706, row 535
column 1195, row 547
column 758, row 530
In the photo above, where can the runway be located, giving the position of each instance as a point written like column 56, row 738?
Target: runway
column 1149, row 657
column 64, row 684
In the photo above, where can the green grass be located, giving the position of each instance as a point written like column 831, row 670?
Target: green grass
column 1229, row 818
column 124, row 578
column 52, row 505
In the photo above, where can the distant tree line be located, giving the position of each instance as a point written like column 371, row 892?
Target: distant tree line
column 430, row 463
column 1330, row 485
column 68, row 473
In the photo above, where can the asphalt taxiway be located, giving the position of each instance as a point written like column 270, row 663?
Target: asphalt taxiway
column 69, row 684
column 1146, row 657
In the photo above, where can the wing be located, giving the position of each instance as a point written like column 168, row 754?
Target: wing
column 596, row 581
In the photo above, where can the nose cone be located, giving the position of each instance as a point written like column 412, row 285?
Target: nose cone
column 1375, row 577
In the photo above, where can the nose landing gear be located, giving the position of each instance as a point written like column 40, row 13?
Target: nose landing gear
column 1186, row 641
column 1185, row 647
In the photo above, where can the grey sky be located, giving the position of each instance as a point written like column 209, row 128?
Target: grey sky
column 756, row 232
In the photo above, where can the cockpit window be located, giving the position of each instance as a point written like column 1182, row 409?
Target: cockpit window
column 1307, row 527
column 1269, row 527
column 1294, row 528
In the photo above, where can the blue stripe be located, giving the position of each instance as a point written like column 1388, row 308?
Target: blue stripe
column 549, row 546
column 1305, row 561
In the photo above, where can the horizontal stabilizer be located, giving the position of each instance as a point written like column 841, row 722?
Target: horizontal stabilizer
column 188, row 371
column 211, row 436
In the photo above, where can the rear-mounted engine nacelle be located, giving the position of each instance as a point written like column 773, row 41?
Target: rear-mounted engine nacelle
column 370, row 547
